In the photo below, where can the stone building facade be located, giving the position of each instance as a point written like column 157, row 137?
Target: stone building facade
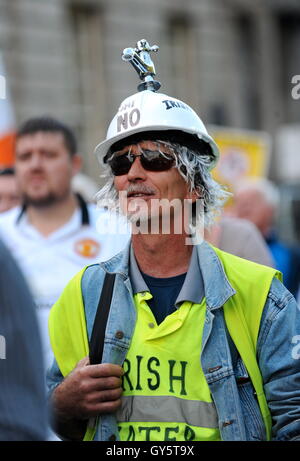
column 232, row 60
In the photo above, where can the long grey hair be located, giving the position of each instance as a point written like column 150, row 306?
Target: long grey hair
column 194, row 168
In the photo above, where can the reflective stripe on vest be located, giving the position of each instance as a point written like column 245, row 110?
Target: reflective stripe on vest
column 143, row 408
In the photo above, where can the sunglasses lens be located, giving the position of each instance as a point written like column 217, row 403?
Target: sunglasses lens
column 156, row 161
column 120, row 164
column 150, row 161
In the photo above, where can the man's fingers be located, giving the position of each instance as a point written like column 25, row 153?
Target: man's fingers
column 104, row 396
column 105, row 370
column 83, row 362
column 90, row 390
column 112, row 382
column 91, row 385
column 104, row 407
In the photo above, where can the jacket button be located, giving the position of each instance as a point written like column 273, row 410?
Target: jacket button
column 119, row 335
column 112, row 438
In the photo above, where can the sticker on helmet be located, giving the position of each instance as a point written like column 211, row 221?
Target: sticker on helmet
column 126, row 105
column 130, row 119
column 170, row 104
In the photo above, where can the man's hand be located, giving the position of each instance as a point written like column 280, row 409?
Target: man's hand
column 88, row 391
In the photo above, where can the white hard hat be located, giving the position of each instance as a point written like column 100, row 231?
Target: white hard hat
column 148, row 111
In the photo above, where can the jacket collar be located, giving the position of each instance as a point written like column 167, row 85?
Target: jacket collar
column 118, row 264
column 217, row 287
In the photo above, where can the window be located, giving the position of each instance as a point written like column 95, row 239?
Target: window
column 183, row 59
column 248, row 71
column 289, row 28
column 88, row 38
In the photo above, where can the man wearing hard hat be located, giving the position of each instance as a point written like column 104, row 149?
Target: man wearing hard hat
column 172, row 339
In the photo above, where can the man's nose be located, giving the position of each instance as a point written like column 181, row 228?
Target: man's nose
column 36, row 160
column 136, row 171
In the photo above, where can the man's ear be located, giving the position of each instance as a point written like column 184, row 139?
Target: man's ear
column 76, row 164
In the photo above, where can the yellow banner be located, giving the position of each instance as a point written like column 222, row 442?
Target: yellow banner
column 243, row 153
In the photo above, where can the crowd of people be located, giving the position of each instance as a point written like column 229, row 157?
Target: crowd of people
column 166, row 336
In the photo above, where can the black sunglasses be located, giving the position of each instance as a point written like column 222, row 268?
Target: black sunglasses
column 151, row 160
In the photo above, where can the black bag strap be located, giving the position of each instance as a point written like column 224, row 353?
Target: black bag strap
column 85, row 219
column 98, row 333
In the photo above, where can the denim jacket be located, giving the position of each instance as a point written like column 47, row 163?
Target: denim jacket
column 278, row 351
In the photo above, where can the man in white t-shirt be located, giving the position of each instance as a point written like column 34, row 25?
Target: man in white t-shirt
column 54, row 233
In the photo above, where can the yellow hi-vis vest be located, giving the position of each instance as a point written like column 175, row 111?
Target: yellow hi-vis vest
column 242, row 312
column 165, row 394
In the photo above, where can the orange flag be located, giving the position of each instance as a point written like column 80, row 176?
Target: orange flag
column 7, row 122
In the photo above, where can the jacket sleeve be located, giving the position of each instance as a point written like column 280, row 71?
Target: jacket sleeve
column 23, row 414
column 278, row 351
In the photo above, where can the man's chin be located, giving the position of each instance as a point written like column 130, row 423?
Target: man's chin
column 137, row 217
column 39, row 201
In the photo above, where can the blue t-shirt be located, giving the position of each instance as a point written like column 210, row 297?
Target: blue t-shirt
column 165, row 292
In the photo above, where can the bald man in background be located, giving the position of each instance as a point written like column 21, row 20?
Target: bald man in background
column 257, row 200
